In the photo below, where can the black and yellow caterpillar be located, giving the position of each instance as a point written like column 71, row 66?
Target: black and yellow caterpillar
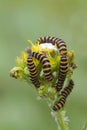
column 62, row 72
column 63, row 61
column 59, row 42
column 47, row 69
column 45, row 63
column 64, row 94
column 32, row 69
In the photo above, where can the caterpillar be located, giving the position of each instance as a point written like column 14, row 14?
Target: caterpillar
column 59, row 42
column 46, row 65
column 63, row 61
column 62, row 72
column 32, row 69
column 64, row 94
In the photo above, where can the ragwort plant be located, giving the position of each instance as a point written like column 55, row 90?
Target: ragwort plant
column 49, row 67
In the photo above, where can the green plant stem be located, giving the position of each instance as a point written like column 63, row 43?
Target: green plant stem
column 60, row 116
column 62, row 124
column 60, row 119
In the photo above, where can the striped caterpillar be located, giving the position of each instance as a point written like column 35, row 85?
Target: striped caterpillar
column 63, row 61
column 32, row 69
column 45, row 63
column 64, row 94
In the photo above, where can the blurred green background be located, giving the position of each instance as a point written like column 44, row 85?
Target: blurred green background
column 21, row 20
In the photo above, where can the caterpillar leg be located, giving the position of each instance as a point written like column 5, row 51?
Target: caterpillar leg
column 46, row 65
column 32, row 69
column 67, row 90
